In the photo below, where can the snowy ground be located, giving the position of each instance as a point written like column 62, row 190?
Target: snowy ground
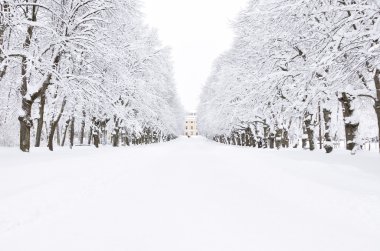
column 190, row 194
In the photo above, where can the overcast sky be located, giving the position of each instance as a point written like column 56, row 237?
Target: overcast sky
column 197, row 31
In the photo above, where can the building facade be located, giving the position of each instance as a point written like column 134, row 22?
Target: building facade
column 191, row 125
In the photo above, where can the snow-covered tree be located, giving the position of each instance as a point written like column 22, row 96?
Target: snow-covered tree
column 92, row 63
column 291, row 64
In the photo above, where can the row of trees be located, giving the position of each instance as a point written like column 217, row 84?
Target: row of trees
column 88, row 68
column 297, row 69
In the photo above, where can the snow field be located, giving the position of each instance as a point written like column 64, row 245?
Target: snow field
column 190, row 194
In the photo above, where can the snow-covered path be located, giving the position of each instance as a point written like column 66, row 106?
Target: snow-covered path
column 190, row 194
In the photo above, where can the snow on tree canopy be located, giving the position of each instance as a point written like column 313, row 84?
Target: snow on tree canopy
column 297, row 67
column 91, row 70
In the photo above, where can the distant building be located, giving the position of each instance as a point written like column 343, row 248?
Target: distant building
column 191, row 125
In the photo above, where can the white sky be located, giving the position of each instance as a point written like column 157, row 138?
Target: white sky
column 197, row 31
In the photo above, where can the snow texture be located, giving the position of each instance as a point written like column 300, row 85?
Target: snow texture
column 189, row 194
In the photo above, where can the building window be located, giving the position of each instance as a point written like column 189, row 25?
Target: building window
column 192, row 127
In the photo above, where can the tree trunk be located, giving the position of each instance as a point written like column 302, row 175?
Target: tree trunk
column 58, row 136
column 51, row 136
column 377, row 107
column 115, row 137
column 256, row 139
column 102, row 125
column 304, row 137
column 328, row 142
column 238, row 139
column 25, row 124
column 309, row 130
column 233, row 139
column 253, row 141
column 40, row 122
column 72, row 132
column 249, row 137
column 278, row 138
column 266, row 135
column 271, row 139
column 83, row 126
column 243, row 139
column 90, row 136
column 320, row 126
column 54, row 125
column 65, row 132
column 285, row 139
column 27, row 102
column 96, row 138
column 115, row 134
column 377, row 101
column 351, row 126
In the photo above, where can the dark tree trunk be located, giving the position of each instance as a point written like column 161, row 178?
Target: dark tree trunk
column 127, row 141
column 377, row 107
column 116, row 134
column 252, row 140
column 266, row 135
column 233, row 139
column 310, row 131
column 90, row 136
column 40, row 121
column 278, row 138
column 256, row 139
column 271, row 139
column 65, row 132
column 328, row 141
column 242, row 139
column 221, row 139
column 377, row 101
column 72, row 132
column 51, row 136
column 58, row 136
column 320, row 127
column 27, row 102
column 82, row 128
column 54, row 126
column 304, row 137
column 285, row 139
column 249, row 137
column 25, row 124
column 96, row 139
column 351, row 127
column 94, row 132
column 238, row 139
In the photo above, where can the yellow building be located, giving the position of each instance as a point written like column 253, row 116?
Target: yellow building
column 191, row 125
